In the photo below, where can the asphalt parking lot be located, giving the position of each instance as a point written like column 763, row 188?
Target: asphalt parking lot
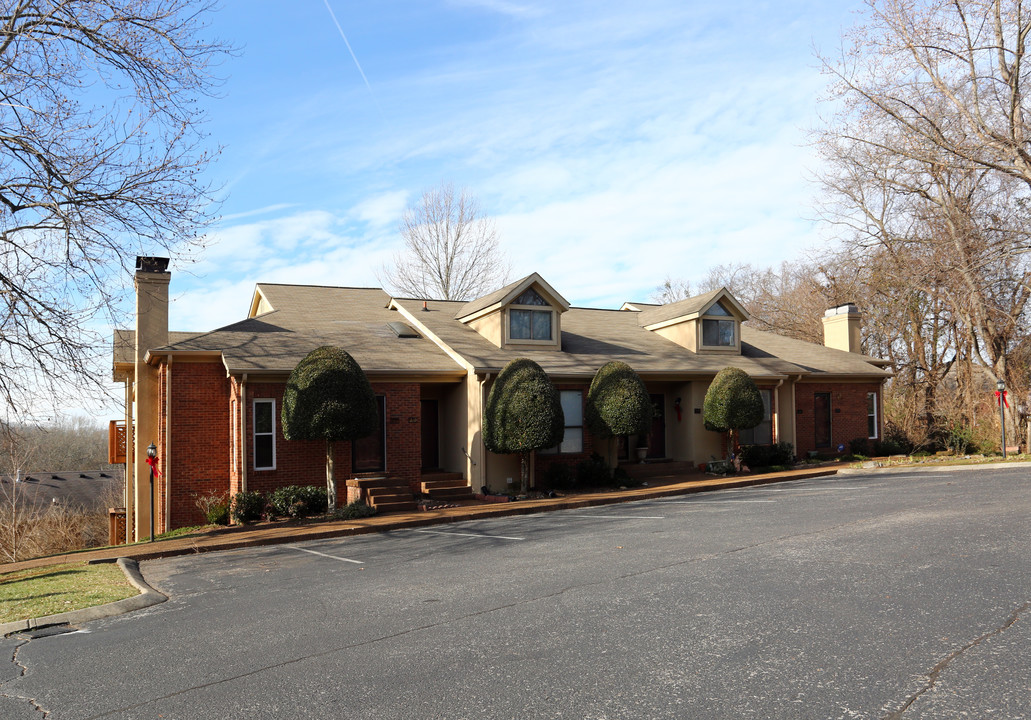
column 901, row 594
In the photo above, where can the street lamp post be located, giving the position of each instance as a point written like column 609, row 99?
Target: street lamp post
column 1001, row 386
column 152, row 453
column 1022, row 414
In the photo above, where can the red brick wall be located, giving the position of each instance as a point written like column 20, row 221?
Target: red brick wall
column 303, row 462
column 199, row 434
column 848, row 414
column 204, row 425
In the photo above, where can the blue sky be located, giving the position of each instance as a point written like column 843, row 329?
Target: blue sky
column 614, row 142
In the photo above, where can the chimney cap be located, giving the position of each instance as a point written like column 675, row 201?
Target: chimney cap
column 151, row 264
column 843, row 309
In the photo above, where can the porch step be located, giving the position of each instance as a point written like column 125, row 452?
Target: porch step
column 385, row 507
column 446, row 486
column 386, row 494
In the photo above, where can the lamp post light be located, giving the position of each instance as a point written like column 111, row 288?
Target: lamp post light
column 152, row 452
column 1022, row 413
column 1001, row 386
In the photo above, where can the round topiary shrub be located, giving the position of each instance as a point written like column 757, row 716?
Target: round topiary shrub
column 523, row 413
column 732, row 403
column 328, row 397
column 618, row 402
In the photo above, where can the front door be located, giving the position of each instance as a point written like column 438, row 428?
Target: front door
column 657, row 436
column 369, row 454
column 430, row 435
column 822, row 419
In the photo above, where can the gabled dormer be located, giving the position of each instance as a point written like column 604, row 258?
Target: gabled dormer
column 259, row 303
column 526, row 314
column 709, row 323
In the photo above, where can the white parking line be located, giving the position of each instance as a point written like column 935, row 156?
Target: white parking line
column 710, row 502
column 620, row 517
column 822, row 489
column 473, row 535
column 331, row 557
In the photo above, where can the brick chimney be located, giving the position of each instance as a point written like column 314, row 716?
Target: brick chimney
column 842, row 326
column 151, row 282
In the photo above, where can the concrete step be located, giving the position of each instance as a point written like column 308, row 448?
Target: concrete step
column 451, row 493
column 440, row 475
column 451, row 488
column 395, row 506
column 375, row 482
column 378, row 499
column 428, row 485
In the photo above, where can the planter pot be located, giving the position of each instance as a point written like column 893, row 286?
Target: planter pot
column 642, row 453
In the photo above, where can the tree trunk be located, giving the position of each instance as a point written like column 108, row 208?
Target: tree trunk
column 331, row 483
column 524, row 472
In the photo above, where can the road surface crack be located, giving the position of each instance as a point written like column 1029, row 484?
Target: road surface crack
column 936, row 671
column 23, row 671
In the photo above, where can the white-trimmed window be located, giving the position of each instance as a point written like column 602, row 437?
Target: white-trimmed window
column 264, row 434
column 530, row 324
column 573, row 410
column 871, row 416
column 718, row 332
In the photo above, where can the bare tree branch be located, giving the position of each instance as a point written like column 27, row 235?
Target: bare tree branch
column 451, row 250
column 101, row 155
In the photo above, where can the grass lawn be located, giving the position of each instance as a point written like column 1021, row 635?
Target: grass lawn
column 59, row 588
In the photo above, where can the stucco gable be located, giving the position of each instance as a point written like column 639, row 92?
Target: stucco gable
column 504, row 296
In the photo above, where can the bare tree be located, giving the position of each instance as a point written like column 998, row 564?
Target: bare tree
column 451, row 250
column 927, row 180
column 671, row 290
column 101, row 156
column 947, row 75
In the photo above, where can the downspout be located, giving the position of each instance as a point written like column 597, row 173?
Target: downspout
column 776, row 409
column 794, row 410
column 483, row 414
column 129, row 486
column 168, row 444
column 243, row 433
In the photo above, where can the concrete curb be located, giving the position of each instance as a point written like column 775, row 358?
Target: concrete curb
column 148, row 596
column 931, row 467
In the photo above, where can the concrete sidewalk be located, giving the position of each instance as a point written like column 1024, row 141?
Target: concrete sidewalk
column 298, row 531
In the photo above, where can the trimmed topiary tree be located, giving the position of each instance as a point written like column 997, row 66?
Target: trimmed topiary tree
column 732, row 403
column 328, row 397
column 523, row 414
column 618, row 403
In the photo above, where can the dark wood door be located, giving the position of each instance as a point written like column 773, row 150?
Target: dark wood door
column 822, row 419
column 657, row 436
column 369, row 454
column 430, row 435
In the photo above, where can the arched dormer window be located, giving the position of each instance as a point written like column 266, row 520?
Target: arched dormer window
column 525, row 323
column 721, row 330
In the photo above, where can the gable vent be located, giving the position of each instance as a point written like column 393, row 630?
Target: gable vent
column 403, row 330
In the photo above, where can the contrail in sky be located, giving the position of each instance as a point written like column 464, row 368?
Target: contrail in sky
column 353, row 56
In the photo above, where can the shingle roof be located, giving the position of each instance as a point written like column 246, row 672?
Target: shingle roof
column 306, row 317
column 72, row 488
column 671, row 311
column 810, row 357
column 358, row 319
column 474, row 306
column 590, row 338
